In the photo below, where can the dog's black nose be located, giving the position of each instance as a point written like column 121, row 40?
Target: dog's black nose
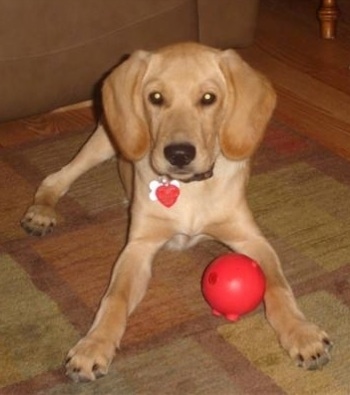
column 180, row 154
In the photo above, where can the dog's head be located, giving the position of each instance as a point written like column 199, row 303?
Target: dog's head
column 184, row 105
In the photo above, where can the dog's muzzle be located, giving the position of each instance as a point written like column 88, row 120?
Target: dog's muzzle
column 180, row 156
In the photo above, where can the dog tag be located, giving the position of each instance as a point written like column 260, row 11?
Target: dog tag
column 165, row 191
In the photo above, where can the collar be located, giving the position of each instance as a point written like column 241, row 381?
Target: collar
column 166, row 191
column 200, row 176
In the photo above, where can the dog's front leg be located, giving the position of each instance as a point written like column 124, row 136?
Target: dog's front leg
column 40, row 217
column 92, row 355
column 307, row 344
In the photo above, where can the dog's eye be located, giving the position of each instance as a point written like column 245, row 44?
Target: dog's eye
column 156, row 98
column 208, row 99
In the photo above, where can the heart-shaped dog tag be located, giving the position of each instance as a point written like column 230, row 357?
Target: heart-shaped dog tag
column 167, row 194
column 165, row 191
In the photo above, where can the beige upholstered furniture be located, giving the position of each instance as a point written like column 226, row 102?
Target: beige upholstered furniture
column 53, row 52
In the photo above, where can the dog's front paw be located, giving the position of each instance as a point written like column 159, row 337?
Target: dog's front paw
column 39, row 220
column 308, row 345
column 89, row 359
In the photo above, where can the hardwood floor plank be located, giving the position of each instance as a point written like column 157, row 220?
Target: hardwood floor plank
column 317, row 125
column 45, row 125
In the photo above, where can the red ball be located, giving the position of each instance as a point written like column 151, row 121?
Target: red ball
column 233, row 285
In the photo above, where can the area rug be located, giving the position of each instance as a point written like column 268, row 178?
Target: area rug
column 50, row 287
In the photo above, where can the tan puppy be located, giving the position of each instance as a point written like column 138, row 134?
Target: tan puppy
column 186, row 116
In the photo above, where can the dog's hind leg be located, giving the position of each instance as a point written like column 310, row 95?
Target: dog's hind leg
column 40, row 218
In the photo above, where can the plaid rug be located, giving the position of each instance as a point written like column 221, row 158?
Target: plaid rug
column 51, row 286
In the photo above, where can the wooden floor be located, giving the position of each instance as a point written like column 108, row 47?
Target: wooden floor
column 311, row 76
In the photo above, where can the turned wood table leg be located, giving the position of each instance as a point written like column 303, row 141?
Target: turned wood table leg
column 328, row 14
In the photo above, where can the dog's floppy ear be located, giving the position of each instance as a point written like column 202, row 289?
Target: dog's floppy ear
column 123, row 106
column 249, row 106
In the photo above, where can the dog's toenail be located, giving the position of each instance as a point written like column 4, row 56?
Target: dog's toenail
column 328, row 343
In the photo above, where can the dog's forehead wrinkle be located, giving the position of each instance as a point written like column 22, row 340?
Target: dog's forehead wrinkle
column 182, row 70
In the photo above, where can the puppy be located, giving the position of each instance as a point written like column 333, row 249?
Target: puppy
column 186, row 120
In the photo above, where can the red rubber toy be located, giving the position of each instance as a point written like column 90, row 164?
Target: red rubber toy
column 233, row 285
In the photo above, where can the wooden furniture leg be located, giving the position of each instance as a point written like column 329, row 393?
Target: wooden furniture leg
column 328, row 14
